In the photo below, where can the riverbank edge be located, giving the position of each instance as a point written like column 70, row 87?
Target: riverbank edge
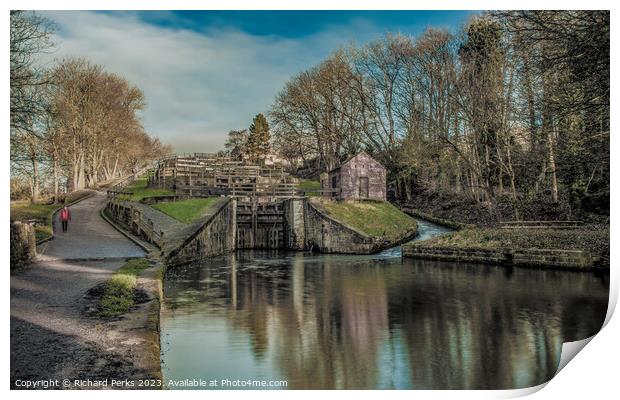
column 151, row 282
column 142, row 322
column 431, row 218
column 574, row 260
column 563, row 259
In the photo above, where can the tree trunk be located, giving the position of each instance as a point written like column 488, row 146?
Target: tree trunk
column 81, row 183
column 458, row 186
column 35, row 173
column 55, row 172
column 552, row 164
column 115, row 167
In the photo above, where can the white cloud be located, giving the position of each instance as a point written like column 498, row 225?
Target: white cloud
column 198, row 85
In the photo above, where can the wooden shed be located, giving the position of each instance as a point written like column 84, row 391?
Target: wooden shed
column 359, row 177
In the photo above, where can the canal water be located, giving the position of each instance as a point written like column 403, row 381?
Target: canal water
column 372, row 322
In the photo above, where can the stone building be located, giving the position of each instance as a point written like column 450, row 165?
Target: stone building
column 359, row 177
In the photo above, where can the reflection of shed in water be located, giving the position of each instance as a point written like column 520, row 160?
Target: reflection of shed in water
column 359, row 177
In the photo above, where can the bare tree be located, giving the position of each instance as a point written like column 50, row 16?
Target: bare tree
column 236, row 144
column 30, row 35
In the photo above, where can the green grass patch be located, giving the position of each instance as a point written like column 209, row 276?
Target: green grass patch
column 139, row 191
column 118, row 295
column 186, row 211
column 375, row 218
column 309, row 186
column 594, row 240
column 22, row 210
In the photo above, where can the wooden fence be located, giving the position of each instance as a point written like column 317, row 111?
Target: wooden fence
column 210, row 173
column 119, row 187
column 241, row 189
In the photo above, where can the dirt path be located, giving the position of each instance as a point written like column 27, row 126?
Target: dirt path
column 51, row 335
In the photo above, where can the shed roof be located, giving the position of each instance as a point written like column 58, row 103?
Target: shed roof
column 351, row 158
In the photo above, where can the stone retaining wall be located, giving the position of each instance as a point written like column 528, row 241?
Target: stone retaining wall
column 543, row 258
column 23, row 244
column 327, row 235
column 216, row 235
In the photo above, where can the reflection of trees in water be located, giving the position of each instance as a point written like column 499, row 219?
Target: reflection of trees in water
column 477, row 327
column 252, row 311
column 343, row 317
column 325, row 324
column 333, row 325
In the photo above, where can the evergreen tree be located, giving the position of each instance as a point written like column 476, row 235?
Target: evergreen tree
column 259, row 139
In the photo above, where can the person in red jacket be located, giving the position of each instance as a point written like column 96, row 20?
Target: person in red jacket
column 65, row 217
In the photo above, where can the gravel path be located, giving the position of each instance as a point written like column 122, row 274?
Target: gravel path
column 88, row 235
column 51, row 335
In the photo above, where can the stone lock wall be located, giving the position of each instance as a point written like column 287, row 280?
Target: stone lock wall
column 291, row 224
column 216, row 236
column 23, row 244
column 295, row 224
column 327, row 235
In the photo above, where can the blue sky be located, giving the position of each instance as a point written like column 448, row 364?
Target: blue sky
column 206, row 72
column 299, row 24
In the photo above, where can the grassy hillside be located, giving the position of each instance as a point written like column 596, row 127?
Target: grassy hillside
column 374, row 218
column 140, row 191
column 186, row 211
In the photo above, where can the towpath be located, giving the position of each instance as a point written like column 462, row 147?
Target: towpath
column 52, row 337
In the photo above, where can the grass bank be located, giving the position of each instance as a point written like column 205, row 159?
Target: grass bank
column 23, row 210
column 139, row 191
column 593, row 239
column 118, row 295
column 374, row 218
column 310, row 187
column 186, row 211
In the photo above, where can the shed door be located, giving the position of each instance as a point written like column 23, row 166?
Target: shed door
column 364, row 187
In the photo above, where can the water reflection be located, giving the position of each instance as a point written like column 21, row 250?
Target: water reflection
column 373, row 321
